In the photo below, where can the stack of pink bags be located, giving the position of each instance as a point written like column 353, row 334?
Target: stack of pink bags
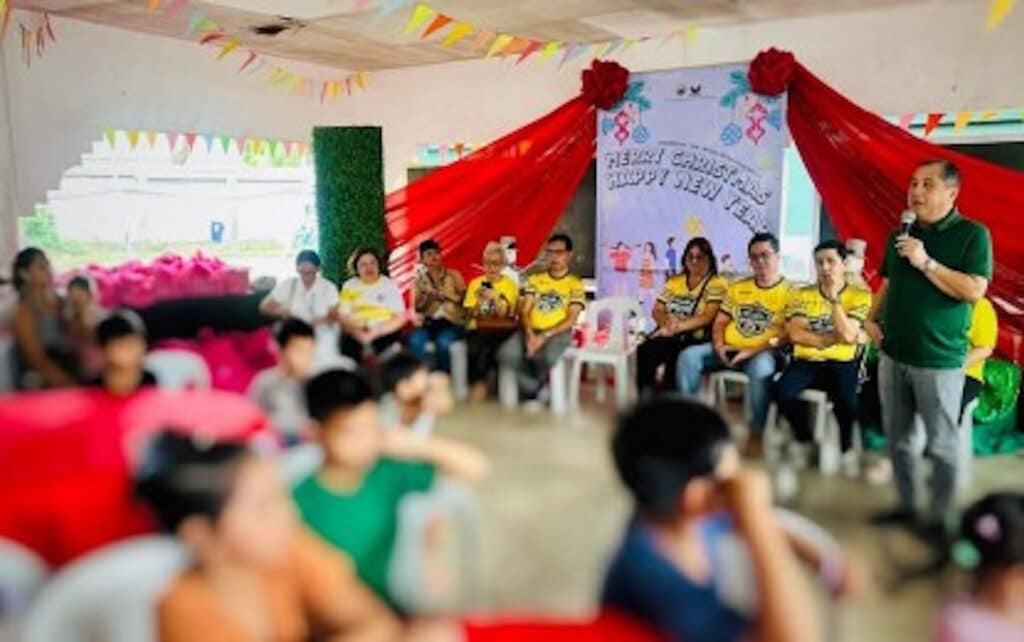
column 234, row 358
column 139, row 285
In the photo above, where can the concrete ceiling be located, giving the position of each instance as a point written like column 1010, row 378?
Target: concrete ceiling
column 336, row 34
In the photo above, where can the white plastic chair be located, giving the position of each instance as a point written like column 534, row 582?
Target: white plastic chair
column 458, row 353
column 508, row 386
column 824, row 427
column 178, row 369
column 22, row 574
column 450, row 510
column 108, row 596
column 619, row 352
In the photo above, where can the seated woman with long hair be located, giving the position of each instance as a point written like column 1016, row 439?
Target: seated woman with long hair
column 684, row 312
column 44, row 354
column 372, row 312
column 258, row 575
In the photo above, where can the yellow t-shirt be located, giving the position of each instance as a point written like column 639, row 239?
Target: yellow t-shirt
column 552, row 298
column 809, row 303
column 757, row 313
column 982, row 334
column 371, row 303
column 683, row 302
column 503, row 286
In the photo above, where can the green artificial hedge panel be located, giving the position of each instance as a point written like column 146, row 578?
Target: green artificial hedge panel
column 349, row 194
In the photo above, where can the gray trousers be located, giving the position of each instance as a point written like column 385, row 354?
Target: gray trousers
column 934, row 394
column 530, row 372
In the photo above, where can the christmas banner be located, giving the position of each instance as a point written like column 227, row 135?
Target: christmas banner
column 687, row 152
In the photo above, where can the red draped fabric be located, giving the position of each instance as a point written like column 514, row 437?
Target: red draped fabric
column 65, row 478
column 516, row 186
column 861, row 165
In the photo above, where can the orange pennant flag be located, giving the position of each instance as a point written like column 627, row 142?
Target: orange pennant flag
column 210, row 37
column 517, row 45
column 532, row 47
column 151, row 139
column 361, row 80
column 932, row 122
column 154, row 5
column 440, row 22
column 458, row 32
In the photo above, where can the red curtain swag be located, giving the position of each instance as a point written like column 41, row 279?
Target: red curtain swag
column 861, row 165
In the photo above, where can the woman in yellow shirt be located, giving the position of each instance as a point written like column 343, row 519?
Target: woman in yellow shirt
column 372, row 311
column 490, row 303
column 683, row 311
column 982, row 335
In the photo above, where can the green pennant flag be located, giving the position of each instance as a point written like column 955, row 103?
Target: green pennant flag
column 110, row 134
column 225, row 143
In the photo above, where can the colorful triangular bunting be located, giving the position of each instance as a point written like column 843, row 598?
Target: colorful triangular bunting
column 419, row 16
column 458, row 32
column 439, row 22
column 933, row 120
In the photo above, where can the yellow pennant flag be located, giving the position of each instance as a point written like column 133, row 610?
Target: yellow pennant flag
column 230, row 46
column 499, row 44
column 989, row 114
column 133, row 138
column 997, row 12
column 960, row 123
column 627, row 45
column 361, row 80
column 458, row 32
column 690, row 34
column 151, row 139
column 550, row 49
column 419, row 16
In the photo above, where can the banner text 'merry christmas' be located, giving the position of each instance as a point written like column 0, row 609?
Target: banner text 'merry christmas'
column 693, row 171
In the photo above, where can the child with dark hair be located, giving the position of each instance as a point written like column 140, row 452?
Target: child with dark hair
column 352, row 501
column 991, row 545
column 413, row 397
column 278, row 390
column 258, row 575
column 122, row 341
column 82, row 315
column 694, row 507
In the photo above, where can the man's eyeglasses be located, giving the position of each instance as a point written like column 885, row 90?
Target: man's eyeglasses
column 762, row 256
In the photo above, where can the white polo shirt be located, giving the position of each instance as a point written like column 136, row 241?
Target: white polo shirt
column 306, row 303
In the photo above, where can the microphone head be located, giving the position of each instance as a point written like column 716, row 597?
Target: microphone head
column 907, row 218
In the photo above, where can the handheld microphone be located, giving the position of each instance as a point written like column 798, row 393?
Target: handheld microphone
column 906, row 222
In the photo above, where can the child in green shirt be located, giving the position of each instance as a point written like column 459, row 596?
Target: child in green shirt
column 353, row 500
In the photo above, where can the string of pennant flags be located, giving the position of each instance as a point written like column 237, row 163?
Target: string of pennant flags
column 211, row 33
column 960, row 120
column 428, row 21
column 257, row 146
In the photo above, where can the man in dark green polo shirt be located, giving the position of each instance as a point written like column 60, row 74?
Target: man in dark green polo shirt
column 932, row 278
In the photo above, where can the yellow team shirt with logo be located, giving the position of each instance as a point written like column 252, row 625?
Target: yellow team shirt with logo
column 684, row 302
column 757, row 313
column 808, row 302
column 982, row 334
column 505, row 287
column 552, row 298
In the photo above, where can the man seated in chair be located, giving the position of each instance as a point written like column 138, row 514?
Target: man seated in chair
column 551, row 302
column 745, row 333
column 823, row 322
